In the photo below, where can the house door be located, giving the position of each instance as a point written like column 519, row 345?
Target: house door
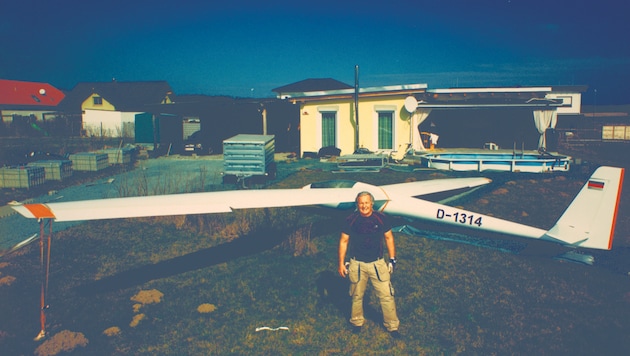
column 329, row 129
column 385, row 130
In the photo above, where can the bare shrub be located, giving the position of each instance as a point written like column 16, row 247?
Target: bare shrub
column 133, row 184
column 241, row 225
column 180, row 220
column 137, row 183
column 299, row 242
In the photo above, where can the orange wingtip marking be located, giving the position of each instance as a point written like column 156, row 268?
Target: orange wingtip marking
column 40, row 211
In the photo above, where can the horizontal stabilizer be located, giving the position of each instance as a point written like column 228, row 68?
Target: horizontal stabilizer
column 436, row 190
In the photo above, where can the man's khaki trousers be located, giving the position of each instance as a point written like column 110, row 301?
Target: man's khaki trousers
column 378, row 273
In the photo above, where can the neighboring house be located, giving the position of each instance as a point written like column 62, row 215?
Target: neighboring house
column 28, row 99
column 109, row 109
column 328, row 116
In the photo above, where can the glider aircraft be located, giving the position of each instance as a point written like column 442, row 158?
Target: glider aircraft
column 588, row 222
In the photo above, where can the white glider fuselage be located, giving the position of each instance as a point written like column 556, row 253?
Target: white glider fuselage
column 588, row 222
column 396, row 200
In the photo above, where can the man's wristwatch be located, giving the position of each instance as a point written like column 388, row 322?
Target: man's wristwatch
column 392, row 264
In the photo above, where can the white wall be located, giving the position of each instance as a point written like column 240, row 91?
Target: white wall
column 109, row 123
column 572, row 99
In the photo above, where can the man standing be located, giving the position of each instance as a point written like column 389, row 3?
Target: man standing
column 361, row 239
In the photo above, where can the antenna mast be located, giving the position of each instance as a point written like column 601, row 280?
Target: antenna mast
column 356, row 107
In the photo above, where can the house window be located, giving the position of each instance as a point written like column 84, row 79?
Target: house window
column 97, row 100
column 329, row 134
column 385, row 130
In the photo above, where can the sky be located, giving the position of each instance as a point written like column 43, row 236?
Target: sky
column 246, row 48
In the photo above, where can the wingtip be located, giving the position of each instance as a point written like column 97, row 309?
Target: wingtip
column 34, row 211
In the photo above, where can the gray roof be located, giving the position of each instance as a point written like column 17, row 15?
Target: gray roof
column 313, row 84
column 125, row 96
column 570, row 88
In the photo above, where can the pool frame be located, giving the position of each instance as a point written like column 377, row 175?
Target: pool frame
column 504, row 162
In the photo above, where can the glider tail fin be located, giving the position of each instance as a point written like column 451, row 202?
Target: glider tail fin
column 590, row 219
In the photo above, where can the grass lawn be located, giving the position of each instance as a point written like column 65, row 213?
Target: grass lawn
column 213, row 280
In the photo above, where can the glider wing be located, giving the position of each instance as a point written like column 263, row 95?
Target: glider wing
column 182, row 204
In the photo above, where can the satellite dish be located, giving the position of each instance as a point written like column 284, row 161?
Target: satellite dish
column 42, row 91
column 411, row 104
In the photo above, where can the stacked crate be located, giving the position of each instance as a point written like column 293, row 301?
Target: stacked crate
column 55, row 169
column 247, row 156
column 118, row 155
column 21, row 177
column 89, row 161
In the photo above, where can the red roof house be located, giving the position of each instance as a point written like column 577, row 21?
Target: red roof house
column 19, row 95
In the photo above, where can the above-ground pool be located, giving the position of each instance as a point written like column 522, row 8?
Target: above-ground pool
column 495, row 161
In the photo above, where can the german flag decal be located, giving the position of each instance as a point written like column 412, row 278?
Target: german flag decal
column 592, row 184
